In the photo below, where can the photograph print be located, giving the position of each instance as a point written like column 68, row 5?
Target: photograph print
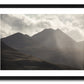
column 42, row 41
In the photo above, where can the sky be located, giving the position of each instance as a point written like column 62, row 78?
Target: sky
column 30, row 24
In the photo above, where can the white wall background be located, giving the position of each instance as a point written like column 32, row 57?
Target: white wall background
column 42, row 82
column 41, row 1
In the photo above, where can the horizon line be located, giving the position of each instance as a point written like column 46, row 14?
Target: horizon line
column 41, row 31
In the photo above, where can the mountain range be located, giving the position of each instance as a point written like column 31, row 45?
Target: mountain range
column 52, row 46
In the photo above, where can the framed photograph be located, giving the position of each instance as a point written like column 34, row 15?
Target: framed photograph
column 42, row 42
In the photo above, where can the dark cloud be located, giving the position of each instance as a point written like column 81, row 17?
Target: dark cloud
column 15, row 23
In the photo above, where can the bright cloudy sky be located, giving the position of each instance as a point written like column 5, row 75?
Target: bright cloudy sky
column 71, row 24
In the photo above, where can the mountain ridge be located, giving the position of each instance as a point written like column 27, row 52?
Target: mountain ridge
column 19, row 39
column 51, row 45
column 50, row 29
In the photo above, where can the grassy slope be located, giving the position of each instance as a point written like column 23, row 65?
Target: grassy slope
column 11, row 59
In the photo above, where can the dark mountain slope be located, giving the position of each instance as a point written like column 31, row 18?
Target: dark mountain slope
column 18, row 41
column 13, row 60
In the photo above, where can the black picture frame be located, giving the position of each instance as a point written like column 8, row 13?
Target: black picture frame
column 41, row 6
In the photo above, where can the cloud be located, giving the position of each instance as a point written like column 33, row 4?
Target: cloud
column 33, row 23
column 14, row 22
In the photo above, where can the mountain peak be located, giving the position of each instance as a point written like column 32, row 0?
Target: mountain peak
column 58, row 30
column 18, row 40
column 49, row 29
column 52, row 30
column 44, row 32
column 18, row 33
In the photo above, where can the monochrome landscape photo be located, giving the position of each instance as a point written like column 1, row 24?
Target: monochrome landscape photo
column 42, row 41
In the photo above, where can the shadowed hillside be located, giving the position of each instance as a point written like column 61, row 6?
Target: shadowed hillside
column 18, row 41
column 13, row 60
